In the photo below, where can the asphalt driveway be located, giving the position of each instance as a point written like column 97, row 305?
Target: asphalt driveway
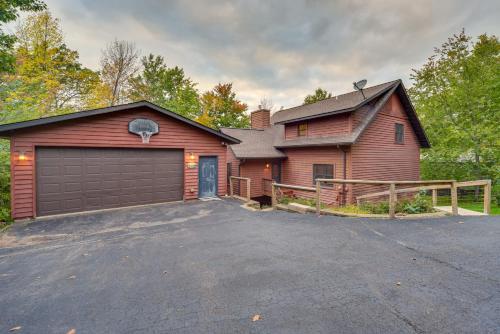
column 210, row 267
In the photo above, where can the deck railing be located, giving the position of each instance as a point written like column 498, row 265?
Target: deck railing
column 433, row 185
column 233, row 179
column 267, row 185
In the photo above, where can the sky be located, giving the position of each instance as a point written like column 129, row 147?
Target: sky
column 279, row 50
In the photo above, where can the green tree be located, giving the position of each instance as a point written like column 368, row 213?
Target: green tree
column 221, row 108
column 319, row 94
column 164, row 86
column 9, row 11
column 48, row 78
column 457, row 96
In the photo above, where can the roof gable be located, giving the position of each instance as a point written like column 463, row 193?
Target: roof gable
column 7, row 130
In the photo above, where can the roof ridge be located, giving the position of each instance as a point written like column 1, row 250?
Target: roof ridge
column 337, row 96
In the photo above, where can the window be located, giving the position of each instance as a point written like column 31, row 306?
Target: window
column 400, row 133
column 229, row 170
column 302, row 130
column 322, row 171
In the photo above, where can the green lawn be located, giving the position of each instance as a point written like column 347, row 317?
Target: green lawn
column 469, row 204
column 475, row 206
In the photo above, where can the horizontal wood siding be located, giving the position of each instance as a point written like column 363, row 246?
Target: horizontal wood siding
column 321, row 127
column 109, row 131
column 376, row 156
column 256, row 170
column 235, row 170
column 298, row 169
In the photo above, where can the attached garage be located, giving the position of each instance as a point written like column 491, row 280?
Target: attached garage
column 83, row 179
column 91, row 160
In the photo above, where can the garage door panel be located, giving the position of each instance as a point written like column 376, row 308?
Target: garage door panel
column 80, row 179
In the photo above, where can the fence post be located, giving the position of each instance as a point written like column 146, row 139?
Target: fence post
column 392, row 200
column 454, row 199
column 273, row 195
column 248, row 190
column 434, row 197
column 487, row 197
column 318, row 198
column 231, row 186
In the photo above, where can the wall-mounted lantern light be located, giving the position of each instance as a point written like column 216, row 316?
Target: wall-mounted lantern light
column 191, row 163
column 267, row 165
column 22, row 156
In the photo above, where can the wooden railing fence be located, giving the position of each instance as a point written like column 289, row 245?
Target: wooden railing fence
column 433, row 185
column 238, row 179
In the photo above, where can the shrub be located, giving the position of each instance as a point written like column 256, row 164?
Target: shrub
column 419, row 204
column 4, row 182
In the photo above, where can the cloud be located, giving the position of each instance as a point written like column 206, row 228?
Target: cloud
column 282, row 50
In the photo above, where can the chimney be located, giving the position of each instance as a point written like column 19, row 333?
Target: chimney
column 260, row 119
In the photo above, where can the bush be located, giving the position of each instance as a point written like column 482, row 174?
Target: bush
column 419, row 204
column 4, row 182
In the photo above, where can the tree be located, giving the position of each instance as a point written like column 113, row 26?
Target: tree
column 118, row 66
column 9, row 11
column 266, row 103
column 221, row 108
column 48, row 78
column 167, row 87
column 319, row 94
column 457, row 96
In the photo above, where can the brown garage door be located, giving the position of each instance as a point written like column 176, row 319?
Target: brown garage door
column 82, row 179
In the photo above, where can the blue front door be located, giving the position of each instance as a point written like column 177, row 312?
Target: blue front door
column 207, row 175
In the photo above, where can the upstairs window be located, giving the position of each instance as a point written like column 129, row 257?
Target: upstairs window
column 302, row 130
column 399, row 133
column 322, row 171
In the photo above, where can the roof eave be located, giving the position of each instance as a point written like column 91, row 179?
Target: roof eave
column 343, row 143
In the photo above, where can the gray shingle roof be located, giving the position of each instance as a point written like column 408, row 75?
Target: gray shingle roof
column 256, row 143
column 266, row 143
column 337, row 104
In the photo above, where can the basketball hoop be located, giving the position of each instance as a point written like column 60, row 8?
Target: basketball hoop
column 145, row 135
column 145, row 128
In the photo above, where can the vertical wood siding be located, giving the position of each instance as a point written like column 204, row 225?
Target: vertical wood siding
column 109, row 131
column 376, row 156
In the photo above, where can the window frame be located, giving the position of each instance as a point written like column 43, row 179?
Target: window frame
column 397, row 140
column 302, row 132
column 324, row 175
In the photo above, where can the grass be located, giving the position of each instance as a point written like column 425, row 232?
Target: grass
column 476, row 206
column 350, row 209
column 470, row 204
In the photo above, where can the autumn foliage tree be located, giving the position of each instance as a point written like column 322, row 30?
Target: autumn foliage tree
column 221, row 108
column 48, row 78
column 9, row 11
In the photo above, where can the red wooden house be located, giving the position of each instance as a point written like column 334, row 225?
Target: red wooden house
column 371, row 135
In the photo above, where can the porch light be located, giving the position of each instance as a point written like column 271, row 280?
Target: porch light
column 22, row 156
column 267, row 165
column 191, row 156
